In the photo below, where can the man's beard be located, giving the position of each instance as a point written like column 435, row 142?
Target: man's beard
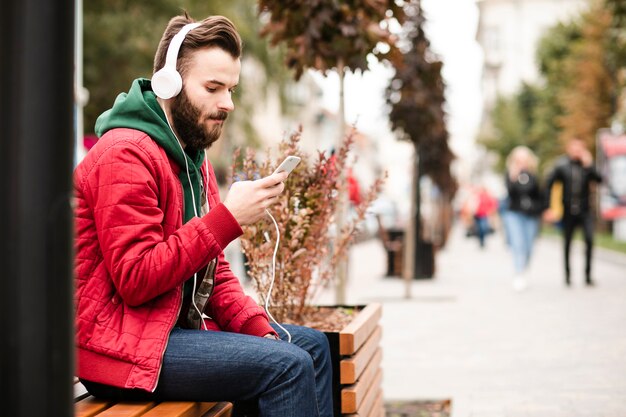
column 195, row 134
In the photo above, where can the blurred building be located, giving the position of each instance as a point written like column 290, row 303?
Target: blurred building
column 508, row 32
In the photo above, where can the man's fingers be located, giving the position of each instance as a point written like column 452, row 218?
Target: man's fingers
column 279, row 188
column 272, row 180
column 272, row 191
column 269, row 202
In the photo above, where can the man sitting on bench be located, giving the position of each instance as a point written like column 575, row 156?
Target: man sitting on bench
column 159, row 314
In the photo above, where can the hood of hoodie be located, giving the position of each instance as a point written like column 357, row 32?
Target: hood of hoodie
column 139, row 109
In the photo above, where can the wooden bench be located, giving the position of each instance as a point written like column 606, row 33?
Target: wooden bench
column 88, row 406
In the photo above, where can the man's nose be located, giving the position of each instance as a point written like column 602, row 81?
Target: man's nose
column 226, row 103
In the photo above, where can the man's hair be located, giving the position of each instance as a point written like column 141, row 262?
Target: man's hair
column 214, row 31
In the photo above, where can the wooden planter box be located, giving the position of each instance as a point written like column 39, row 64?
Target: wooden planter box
column 356, row 356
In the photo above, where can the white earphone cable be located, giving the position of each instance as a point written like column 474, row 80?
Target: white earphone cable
column 195, row 275
column 269, row 291
column 195, row 211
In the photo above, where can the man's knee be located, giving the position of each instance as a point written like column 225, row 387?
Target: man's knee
column 296, row 362
column 316, row 343
column 317, row 338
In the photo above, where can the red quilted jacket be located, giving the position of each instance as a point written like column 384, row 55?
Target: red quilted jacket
column 133, row 255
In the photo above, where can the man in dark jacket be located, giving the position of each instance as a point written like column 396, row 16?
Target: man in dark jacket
column 576, row 173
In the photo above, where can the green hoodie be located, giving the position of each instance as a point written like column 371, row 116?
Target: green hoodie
column 138, row 109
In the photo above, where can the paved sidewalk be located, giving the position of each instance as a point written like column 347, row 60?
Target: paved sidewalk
column 466, row 335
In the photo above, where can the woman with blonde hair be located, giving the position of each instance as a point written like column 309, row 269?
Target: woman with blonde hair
column 525, row 205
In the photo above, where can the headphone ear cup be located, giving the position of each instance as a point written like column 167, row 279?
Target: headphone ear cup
column 166, row 83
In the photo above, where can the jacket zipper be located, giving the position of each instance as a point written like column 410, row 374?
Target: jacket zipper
column 171, row 327
column 182, row 294
column 204, row 189
column 180, row 307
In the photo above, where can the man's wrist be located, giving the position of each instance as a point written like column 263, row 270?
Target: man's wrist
column 271, row 336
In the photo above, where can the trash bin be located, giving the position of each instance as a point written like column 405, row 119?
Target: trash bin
column 395, row 252
column 425, row 265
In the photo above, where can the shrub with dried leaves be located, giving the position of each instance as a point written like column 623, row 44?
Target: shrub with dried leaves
column 310, row 246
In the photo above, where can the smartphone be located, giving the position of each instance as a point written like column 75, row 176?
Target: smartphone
column 288, row 164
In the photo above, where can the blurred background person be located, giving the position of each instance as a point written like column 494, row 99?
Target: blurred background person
column 354, row 188
column 480, row 206
column 576, row 173
column 524, row 204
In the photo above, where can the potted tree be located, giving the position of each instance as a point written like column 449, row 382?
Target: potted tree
column 305, row 262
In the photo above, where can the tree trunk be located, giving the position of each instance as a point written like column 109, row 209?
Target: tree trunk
column 413, row 236
column 342, row 267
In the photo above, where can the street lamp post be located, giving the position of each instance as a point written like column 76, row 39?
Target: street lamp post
column 36, row 154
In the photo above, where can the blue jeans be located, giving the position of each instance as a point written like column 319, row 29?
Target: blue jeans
column 277, row 378
column 482, row 228
column 521, row 230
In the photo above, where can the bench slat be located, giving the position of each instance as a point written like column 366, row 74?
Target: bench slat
column 358, row 331
column 352, row 395
column 378, row 410
column 220, row 410
column 134, row 409
column 89, row 407
column 364, row 408
column 352, row 367
column 179, row 409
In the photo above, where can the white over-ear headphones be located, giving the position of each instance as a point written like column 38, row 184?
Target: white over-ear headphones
column 167, row 82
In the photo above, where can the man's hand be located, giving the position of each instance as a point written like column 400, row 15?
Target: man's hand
column 550, row 216
column 247, row 200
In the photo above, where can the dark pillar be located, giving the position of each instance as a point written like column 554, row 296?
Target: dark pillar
column 423, row 265
column 36, row 154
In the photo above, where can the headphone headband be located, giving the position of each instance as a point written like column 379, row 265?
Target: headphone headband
column 167, row 82
column 176, row 43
